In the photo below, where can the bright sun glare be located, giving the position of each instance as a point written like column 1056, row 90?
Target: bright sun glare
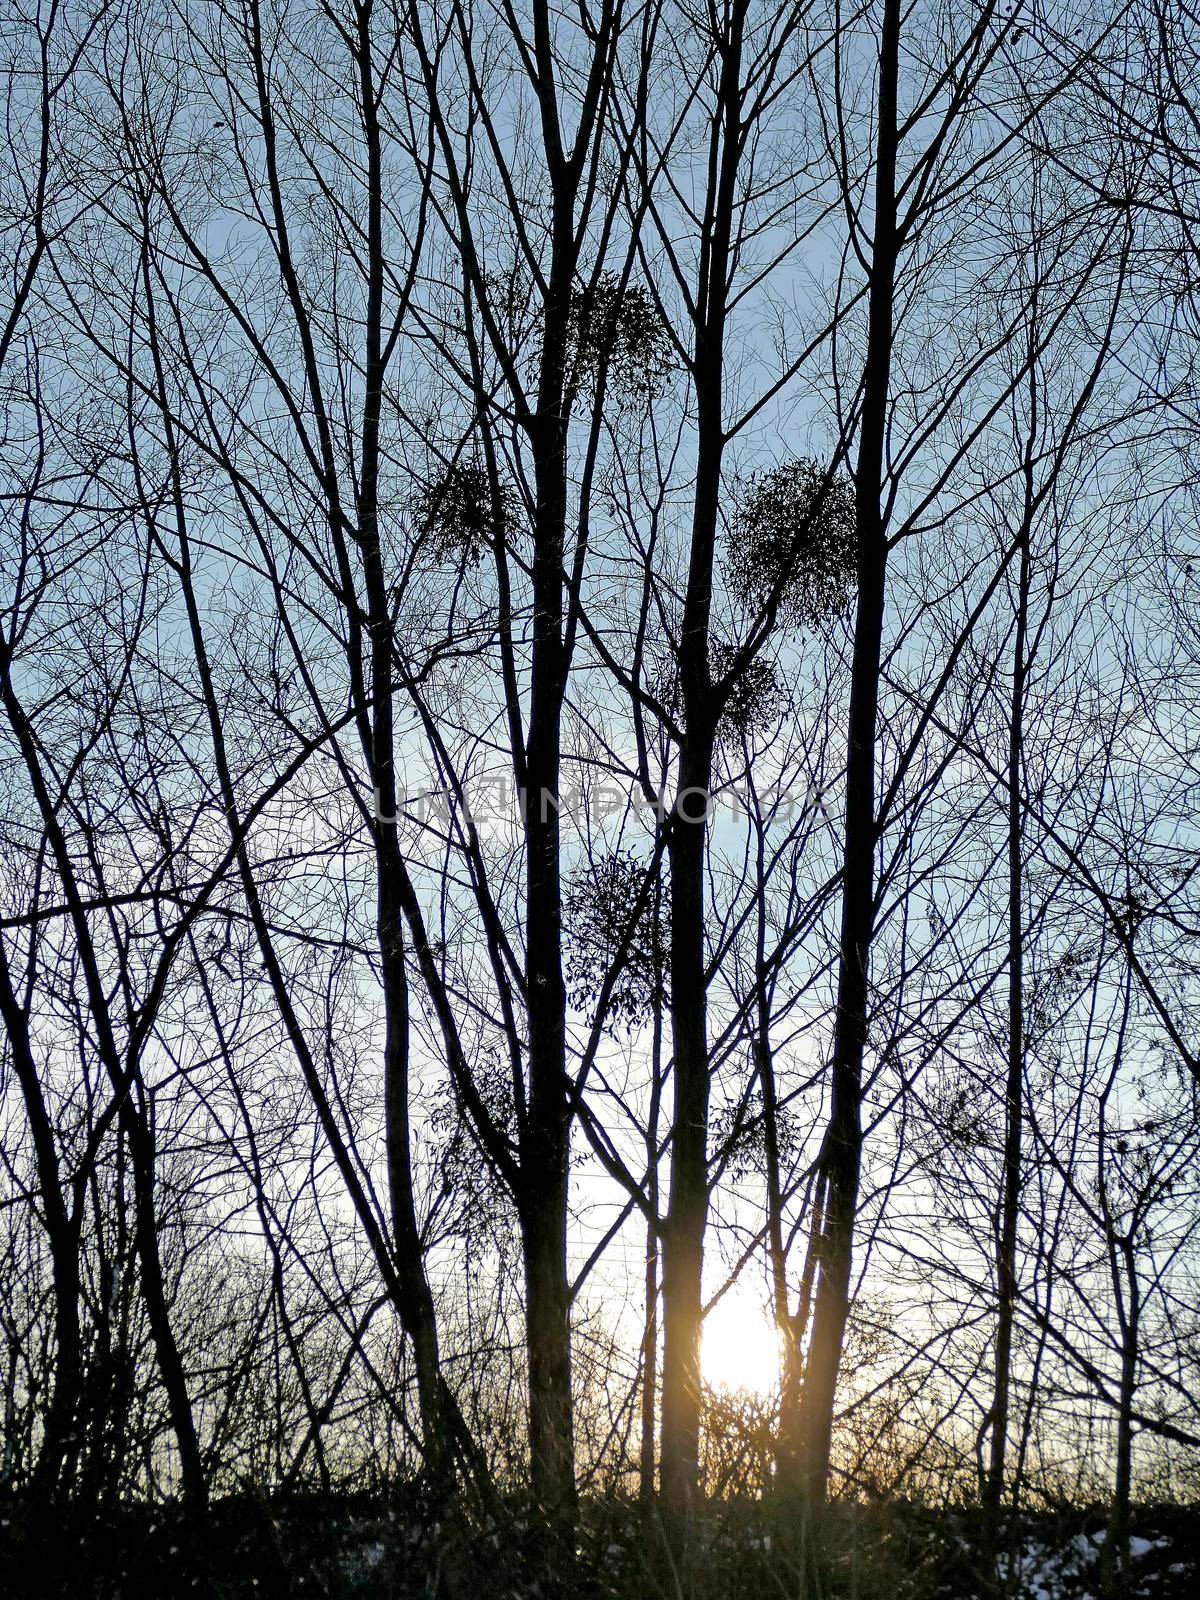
column 740, row 1346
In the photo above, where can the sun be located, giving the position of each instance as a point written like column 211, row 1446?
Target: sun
column 739, row 1348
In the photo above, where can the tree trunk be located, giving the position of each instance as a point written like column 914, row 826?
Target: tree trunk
column 1006, row 1256
column 683, row 1235
column 542, row 1199
column 417, row 1311
column 416, row 1308
column 545, row 1144
column 125, row 1082
column 53, row 1469
column 136, row 1128
column 841, row 1154
column 790, row 1328
column 548, row 1346
column 647, row 1456
column 1115, row 1563
column 790, row 1324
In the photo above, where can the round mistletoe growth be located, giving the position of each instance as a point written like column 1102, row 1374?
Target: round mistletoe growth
column 461, row 512
column 756, row 698
column 618, row 327
column 795, row 536
column 599, row 913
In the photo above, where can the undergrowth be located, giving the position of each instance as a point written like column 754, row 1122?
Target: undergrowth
column 401, row 1547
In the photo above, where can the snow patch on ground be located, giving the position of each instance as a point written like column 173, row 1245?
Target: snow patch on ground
column 1041, row 1571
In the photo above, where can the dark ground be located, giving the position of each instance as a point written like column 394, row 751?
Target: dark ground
column 338, row 1548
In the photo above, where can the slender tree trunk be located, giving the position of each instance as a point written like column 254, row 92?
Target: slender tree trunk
column 791, row 1354
column 789, row 1327
column 683, row 1235
column 542, row 1201
column 1115, row 1565
column 417, row 1307
column 789, row 1460
column 539, row 1182
column 136, row 1129
column 542, row 1198
column 547, row 1334
column 417, row 1310
column 647, row 1458
column 54, row 1463
column 842, row 1151
column 1006, row 1255
column 125, row 1082
column 545, row 1148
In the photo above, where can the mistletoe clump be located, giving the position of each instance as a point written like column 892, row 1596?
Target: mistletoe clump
column 756, row 698
column 754, row 702
column 599, row 909
column 618, row 328
column 795, row 536
column 462, row 512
